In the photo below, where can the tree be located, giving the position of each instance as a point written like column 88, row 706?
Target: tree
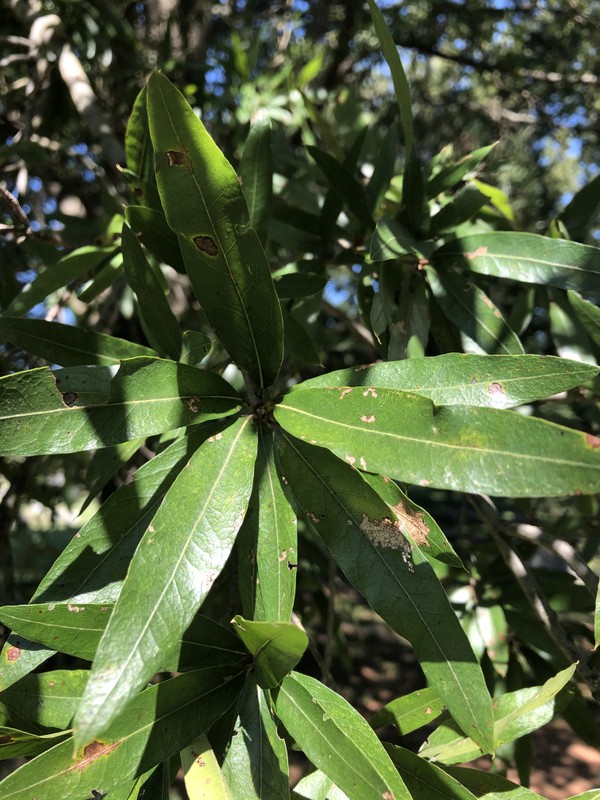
column 257, row 457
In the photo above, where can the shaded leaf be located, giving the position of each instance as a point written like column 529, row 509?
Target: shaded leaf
column 426, row 781
column 42, row 413
column 461, row 208
column 202, row 773
column 256, row 174
column 337, row 739
column 47, row 698
column 160, row 722
column 67, row 345
column 397, row 581
column 490, row 786
column 151, row 226
column 345, row 185
column 411, row 712
column 578, row 216
column 292, row 285
column 450, row 175
column 105, row 464
column 466, row 449
column 468, row 379
column 15, row 743
column 276, row 646
column 587, row 313
column 298, row 341
column 391, row 240
column 139, row 152
column 224, row 258
column 184, row 549
column 524, row 257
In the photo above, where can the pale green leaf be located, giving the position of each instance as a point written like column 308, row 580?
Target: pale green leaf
column 184, row 548
column 205, row 206
column 411, row 712
column 465, row 379
column 467, row 449
column 276, row 646
column 42, row 413
column 202, row 773
column 47, row 698
column 367, row 542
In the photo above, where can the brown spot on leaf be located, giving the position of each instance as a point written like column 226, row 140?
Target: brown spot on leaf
column 93, row 751
column 193, row 403
column 312, row 517
column 370, row 391
column 366, row 419
column 5, row 739
column 388, row 534
column 13, row 653
column 481, row 251
column 344, row 391
column 207, row 245
column 70, row 398
column 495, row 389
column 592, row 441
column 177, row 159
column 413, row 523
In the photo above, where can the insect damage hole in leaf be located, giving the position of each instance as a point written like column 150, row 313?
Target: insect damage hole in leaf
column 387, row 533
column 177, row 159
column 207, row 245
column 413, row 523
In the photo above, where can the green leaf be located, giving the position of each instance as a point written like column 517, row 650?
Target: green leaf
column 466, row 449
column 68, row 345
column 40, row 413
column 298, row 341
column 276, row 646
column 47, row 698
column 15, row 743
column 516, row 714
column 184, row 549
column 568, row 334
column 139, row 152
column 392, row 240
column 317, row 786
column 105, row 464
column 151, row 226
column 452, row 174
column 337, row 739
column 587, row 313
column 205, row 206
column 578, row 216
column 256, row 763
column 397, row 581
column 411, row 712
column 524, row 257
column 161, row 721
column 401, row 87
column 467, row 379
column 426, row 781
column 71, row 267
column 160, row 324
column 202, row 773
column 490, row 786
column 474, row 314
column 464, row 206
column 344, row 184
column 267, row 544
column 293, row 285
column 256, row 174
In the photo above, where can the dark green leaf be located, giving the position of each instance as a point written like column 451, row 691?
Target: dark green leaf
column 463, row 206
column 578, row 216
column 588, row 314
column 426, row 781
column 299, row 284
column 297, row 340
column 367, row 542
column 337, row 739
column 490, row 786
column 466, row 449
column 391, row 240
column 256, row 174
column 139, row 152
column 48, row 698
column 154, row 232
column 205, row 206
column 345, row 185
column 450, row 175
column 160, row 324
column 105, row 464
column 184, row 549
column 42, row 413
column 276, row 646
column 15, row 743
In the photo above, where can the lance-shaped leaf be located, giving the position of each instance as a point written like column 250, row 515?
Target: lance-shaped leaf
column 159, row 323
column 579, row 214
column 256, row 174
column 205, row 206
column 588, row 314
column 256, row 763
column 490, row 786
column 367, row 542
column 77, row 629
column 463, row 206
column 67, row 345
column 426, row 781
column 474, row 314
column 391, row 240
column 411, row 712
column 160, row 722
column 317, row 786
column 105, row 464
column 450, row 175
column 516, row 714
column 71, row 267
column 15, row 743
column 40, row 413
column 337, row 739
column 154, row 232
column 467, row 449
column 525, row 257
column 267, row 543
column 276, row 646
column 292, row 285
column 345, row 185
column 465, row 379
column 47, row 698
column 202, row 773
column 139, row 153
column 184, row 549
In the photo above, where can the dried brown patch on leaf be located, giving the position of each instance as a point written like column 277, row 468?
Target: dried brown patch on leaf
column 93, row 751
column 413, row 522
column 13, row 654
column 206, row 244
column 193, row 403
column 179, row 159
column 481, row 251
column 387, row 533
column 592, row 441
column 496, row 389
